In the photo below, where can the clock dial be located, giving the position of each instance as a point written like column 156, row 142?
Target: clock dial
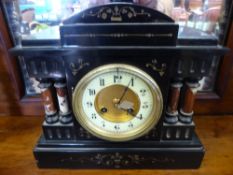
column 117, row 102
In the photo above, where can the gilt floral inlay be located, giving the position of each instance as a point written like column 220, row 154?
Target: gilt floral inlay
column 154, row 65
column 76, row 67
column 118, row 160
column 116, row 13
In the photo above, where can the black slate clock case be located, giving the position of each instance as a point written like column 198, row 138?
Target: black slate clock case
column 127, row 34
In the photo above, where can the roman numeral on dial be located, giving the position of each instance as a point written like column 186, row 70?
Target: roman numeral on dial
column 91, row 92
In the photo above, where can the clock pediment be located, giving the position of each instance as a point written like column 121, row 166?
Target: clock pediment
column 118, row 12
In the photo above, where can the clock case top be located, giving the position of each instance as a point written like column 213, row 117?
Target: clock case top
column 118, row 30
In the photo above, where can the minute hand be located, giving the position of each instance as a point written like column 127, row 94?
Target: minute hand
column 125, row 90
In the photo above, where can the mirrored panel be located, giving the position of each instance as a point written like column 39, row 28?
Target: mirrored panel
column 36, row 22
column 40, row 18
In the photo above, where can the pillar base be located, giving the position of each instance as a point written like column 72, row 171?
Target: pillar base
column 52, row 118
column 66, row 118
column 185, row 117
column 171, row 118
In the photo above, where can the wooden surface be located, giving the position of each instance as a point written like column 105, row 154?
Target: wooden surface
column 18, row 136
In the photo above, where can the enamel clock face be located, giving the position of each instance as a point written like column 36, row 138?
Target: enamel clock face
column 117, row 102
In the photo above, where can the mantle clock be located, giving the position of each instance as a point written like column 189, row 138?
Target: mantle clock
column 119, row 90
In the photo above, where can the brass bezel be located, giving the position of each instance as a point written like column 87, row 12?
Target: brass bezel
column 98, row 132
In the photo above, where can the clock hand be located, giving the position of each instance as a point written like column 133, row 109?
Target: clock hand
column 128, row 110
column 125, row 90
column 134, row 115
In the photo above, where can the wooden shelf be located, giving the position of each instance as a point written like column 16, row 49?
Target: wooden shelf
column 18, row 135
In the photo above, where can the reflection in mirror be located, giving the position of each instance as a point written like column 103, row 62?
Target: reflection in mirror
column 40, row 18
column 37, row 20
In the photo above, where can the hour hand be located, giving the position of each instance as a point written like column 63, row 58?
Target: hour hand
column 126, row 106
